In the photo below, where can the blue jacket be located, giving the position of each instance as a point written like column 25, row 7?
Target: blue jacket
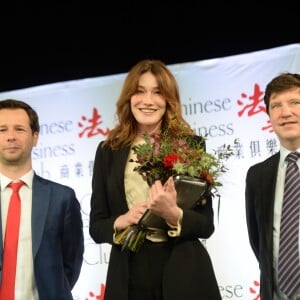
column 57, row 239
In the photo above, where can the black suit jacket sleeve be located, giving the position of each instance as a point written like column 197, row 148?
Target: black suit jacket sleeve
column 108, row 199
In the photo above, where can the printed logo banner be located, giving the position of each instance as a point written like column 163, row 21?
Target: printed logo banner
column 221, row 98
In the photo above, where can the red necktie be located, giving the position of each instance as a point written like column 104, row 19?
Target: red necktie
column 10, row 250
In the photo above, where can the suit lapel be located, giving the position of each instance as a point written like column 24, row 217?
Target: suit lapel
column 119, row 162
column 269, row 177
column 40, row 206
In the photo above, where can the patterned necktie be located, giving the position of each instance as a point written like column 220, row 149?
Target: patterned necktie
column 10, row 250
column 288, row 263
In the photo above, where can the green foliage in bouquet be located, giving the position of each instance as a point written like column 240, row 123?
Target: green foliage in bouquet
column 163, row 155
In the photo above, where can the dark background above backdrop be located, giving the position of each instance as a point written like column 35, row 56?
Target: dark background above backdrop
column 53, row 42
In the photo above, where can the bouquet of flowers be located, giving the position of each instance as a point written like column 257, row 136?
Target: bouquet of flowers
column 163, row 155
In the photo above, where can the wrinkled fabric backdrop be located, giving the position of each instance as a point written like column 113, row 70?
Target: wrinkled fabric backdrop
column 222, row 98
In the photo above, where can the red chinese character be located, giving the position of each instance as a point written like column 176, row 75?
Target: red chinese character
column 92, row 128
column 255, row 106
column 268, row 127
column 97, row 297
column 255, row 290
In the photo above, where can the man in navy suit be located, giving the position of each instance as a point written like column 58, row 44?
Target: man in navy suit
column 50, row 243
column 265, row 184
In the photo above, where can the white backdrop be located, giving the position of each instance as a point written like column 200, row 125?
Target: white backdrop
column 221, row 97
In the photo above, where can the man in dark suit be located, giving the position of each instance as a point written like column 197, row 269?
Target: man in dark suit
column 265, row 186
column 50, row 242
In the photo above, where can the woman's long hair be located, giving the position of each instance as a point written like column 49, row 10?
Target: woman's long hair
column 126, row 130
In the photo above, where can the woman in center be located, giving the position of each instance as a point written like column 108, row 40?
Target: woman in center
column 171, row 264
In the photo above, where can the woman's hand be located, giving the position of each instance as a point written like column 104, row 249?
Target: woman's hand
column 131, row 217
column 162, row 201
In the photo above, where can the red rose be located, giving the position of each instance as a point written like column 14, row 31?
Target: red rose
column 169, row 160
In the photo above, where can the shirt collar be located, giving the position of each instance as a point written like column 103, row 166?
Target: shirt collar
column 284, row 153
column 27, row 178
